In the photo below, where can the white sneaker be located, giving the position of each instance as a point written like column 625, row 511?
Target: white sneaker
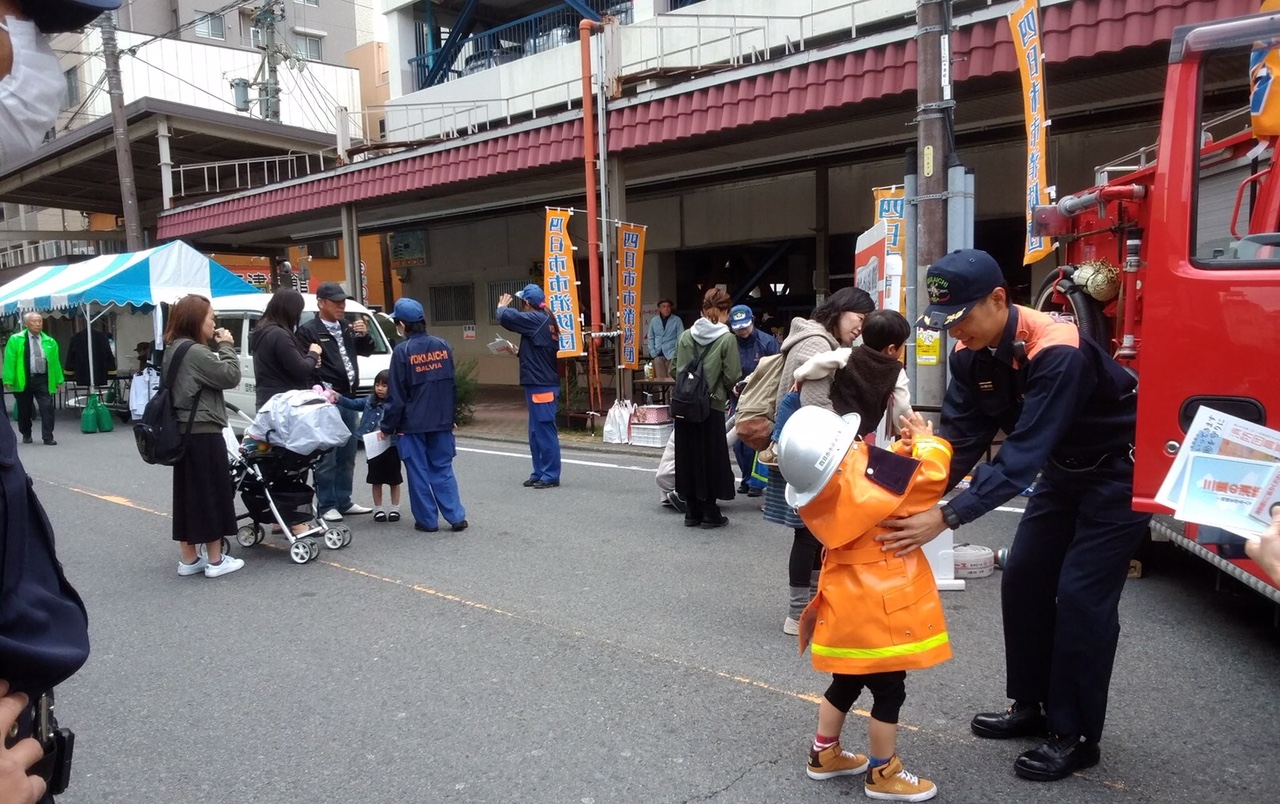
column 356, row 508
column 195, row 568
column 791, row 626
column 332, row 515
column 226, row 566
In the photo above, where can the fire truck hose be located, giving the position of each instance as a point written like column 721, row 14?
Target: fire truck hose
column 1089, row 315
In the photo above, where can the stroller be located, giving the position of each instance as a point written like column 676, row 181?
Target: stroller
column 272, row 484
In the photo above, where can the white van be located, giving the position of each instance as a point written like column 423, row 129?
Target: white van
column 240, row 315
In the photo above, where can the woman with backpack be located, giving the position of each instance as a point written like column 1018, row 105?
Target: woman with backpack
column 836, row 322
column 204, row 508
column 706, row 355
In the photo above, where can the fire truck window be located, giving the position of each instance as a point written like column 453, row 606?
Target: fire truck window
column 1230, row 228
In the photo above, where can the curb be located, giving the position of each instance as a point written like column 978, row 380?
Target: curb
column 584, row 446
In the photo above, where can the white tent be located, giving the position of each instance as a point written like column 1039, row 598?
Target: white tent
column 141, row 279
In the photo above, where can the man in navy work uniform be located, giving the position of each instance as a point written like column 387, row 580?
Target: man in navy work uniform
column 539, row 345
column 341, row 342
column 753, row 344
column 1068, row 409
column 421, row 400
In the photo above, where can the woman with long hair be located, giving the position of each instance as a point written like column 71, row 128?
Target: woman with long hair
column 703, row 476
column 539, row 344
column 203, row 363
column 279, row 362
column 836, row 322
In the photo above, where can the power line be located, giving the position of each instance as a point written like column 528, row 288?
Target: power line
column 181, row 79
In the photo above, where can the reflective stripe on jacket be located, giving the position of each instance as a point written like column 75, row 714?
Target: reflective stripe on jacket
column 874, row 612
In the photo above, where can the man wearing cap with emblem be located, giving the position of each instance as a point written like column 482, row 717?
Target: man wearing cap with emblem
column 422, row 397
column 539, row 345
column 1069, row 411
column 340, row 342
column 753, row 344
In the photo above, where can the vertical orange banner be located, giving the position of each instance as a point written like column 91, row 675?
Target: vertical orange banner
column 561, row 283
column 630, row 279
column 1024, row 21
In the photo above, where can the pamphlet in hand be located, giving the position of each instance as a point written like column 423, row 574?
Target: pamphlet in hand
column 374, row 446
column 1226, row 475
column 501, row 346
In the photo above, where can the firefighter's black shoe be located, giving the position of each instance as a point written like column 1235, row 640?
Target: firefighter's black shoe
column 1058, row 758
column 1019, row 720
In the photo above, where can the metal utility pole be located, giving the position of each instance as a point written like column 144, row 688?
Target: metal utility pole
column 933, row 114
column 267, row 79
column 124, row 152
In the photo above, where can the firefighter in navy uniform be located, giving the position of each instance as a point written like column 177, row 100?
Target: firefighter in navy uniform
column 1067, row 409
column 421, row 401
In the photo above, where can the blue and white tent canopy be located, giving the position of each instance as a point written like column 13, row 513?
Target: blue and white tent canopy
column 141, row 279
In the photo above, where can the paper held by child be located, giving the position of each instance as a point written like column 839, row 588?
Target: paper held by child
column 375, row 446
column 501, row 345
column 1225, row 475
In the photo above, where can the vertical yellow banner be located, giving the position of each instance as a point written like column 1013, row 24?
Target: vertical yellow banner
column 630, row 280
column 1024, row 21
column 561, row 283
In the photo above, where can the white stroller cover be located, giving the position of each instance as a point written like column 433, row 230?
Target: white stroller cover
column 301, row 422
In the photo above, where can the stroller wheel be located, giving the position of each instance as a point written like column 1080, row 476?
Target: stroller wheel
column 258, row 533
column 313, row 547
column 226, row 545
column 247, row 536
column 346, row 535
column 300, row 552
column 333, row 539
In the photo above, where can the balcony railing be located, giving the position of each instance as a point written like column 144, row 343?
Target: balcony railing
column 536, row 33
column 212, row 178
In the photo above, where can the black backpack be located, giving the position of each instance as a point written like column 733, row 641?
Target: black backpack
column 690, row 398
column 156, row 434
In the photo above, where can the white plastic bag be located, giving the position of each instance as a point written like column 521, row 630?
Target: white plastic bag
column 617, row 424
column 301, row 422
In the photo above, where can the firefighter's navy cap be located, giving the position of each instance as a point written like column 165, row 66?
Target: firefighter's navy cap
column 56, row 16
column 956, row 283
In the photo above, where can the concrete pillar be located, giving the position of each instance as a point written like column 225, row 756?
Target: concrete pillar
column 821, row 232
column 401, row 46
column 351, row 252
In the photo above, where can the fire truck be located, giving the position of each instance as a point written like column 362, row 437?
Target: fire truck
column 1173, row 259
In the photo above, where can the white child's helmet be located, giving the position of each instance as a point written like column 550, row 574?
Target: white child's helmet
column 812, row 446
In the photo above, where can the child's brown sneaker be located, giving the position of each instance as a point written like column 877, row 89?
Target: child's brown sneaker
column 890, row 782
column 768, row 456
column 833, row 761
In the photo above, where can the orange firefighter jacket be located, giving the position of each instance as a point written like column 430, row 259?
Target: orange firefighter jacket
column 874, row 612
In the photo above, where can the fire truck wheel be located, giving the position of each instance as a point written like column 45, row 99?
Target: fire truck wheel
column 1080, row 306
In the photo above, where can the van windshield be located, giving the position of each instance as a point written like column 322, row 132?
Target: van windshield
column 380, row 345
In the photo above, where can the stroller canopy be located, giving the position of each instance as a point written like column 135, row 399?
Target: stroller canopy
column 141, row 279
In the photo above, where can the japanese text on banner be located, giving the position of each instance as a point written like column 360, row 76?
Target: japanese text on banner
column 890, row 208
column 630, row 280
column 1024, row 21
column 561, row 281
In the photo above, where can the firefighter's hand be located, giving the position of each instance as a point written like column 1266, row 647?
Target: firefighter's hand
column 911, row 533
column 16, row 787
column 1266, row 551
column 504, row 300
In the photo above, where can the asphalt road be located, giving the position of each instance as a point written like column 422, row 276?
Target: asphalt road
column 576, row 645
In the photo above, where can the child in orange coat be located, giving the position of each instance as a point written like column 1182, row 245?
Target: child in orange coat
column 876, row 615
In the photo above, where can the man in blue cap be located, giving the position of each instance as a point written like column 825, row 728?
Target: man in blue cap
column 421, row 402
column 539, row 345
column 753, row 344
column 1068, row 409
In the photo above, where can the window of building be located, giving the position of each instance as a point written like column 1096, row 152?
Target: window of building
column 323, row 249
column 211, row 26
column 451, row 304
column 311, row 47
column 312, row 3
column 498, row 289
column 73, row 87
column 255, row 37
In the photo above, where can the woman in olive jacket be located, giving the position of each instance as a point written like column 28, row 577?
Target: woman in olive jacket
column 203, row 494
column 703, row 475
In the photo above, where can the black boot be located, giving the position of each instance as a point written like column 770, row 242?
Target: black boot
column 1058, row 758
column 711, row 516
column 1020, row 720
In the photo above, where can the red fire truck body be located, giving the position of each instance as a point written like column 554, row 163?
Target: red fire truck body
column 1176, row 263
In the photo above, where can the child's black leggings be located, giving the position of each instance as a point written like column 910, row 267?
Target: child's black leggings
column 888, row 691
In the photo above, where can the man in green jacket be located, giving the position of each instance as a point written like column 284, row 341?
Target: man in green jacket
column 32, row 368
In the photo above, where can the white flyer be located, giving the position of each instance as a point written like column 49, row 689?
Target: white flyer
column 374, row 446
column 1214, row 433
